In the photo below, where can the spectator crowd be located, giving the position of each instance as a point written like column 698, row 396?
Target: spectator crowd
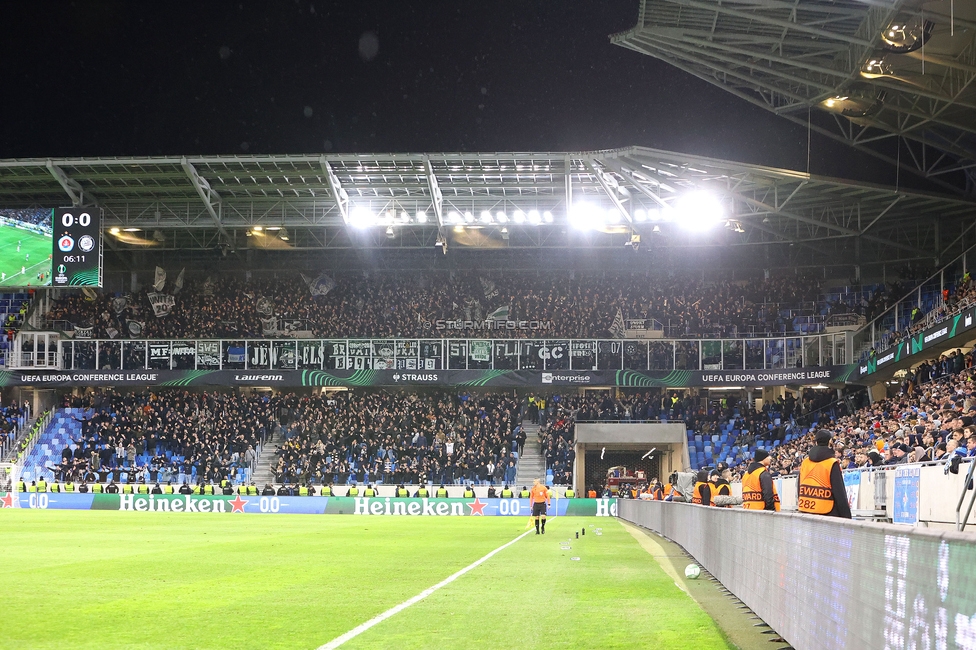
column 412, row 305
column 400, row 437
column 930, row 419
column 167, row 436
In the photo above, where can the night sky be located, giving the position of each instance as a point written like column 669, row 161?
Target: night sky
column 130, row 78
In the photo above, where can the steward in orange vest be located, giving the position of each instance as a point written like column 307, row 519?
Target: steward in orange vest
column 719, row 487
column 703, row 490
column 822, row 489
column 657, row 492
column 758, row 490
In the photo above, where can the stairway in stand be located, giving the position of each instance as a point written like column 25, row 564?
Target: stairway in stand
column 263, row 472
column 531, row 464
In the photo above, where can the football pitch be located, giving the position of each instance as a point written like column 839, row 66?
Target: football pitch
column 38, row 247
column 178, row 580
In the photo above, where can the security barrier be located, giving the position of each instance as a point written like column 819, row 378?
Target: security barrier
column 826, row 583
column 923, row 494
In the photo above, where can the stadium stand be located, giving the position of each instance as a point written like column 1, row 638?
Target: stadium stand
column 934, row 405
column 12, row 418
column 384, row 437
column 164, row 436
column 405, row 305
column 13, row 310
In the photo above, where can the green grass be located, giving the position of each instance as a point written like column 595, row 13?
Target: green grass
column 175, row 580
column 38, row 246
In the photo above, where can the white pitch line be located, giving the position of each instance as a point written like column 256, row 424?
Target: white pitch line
column 379, row 618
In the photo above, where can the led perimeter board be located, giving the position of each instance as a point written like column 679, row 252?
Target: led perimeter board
column 77, row 256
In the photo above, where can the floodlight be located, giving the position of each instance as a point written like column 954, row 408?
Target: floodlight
column 501, row 216
column 519, row 216
column 698, row 210
column 389, row 232
column 421, row 217
column 469, row 217
column 284, row 234
column 485, row 216
column 586, row 216
column 275, row 228
column 613, row 215
column 534, row 218
column 640, row 214
column 454, row 217
column 257, row 228
column 114, row 231
column 547, row 216
column 361, row 217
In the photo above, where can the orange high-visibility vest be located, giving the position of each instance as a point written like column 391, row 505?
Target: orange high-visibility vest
column 717, row 491
column 752, row 498
column 697, row 496
column 816, row 496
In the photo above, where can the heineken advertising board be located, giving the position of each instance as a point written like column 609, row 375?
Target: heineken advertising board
column 363, row 506
column 470, row 378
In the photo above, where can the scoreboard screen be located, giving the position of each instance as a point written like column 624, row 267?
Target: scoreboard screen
column 77, row 257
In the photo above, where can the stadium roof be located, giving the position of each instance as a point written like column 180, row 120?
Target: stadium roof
column 487, row 200
column 881, row 73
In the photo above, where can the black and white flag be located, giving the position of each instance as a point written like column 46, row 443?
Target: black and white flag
column 488, row 286
column 160, row 280
column 264, row 306
column 617, row 327
column 135, row 328
column 162, row 304
column 321, row 285
column 269, row 326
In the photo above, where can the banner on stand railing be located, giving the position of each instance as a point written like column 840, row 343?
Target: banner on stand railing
column 362, row 375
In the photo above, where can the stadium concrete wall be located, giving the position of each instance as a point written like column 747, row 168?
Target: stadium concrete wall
column 635, row 433
column 412, row 507
column 824, row 583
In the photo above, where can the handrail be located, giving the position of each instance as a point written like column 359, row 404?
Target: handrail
column 919, row 284
column 9, row 440
column 885, row 468
column 967, row 487
column 27, row 444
